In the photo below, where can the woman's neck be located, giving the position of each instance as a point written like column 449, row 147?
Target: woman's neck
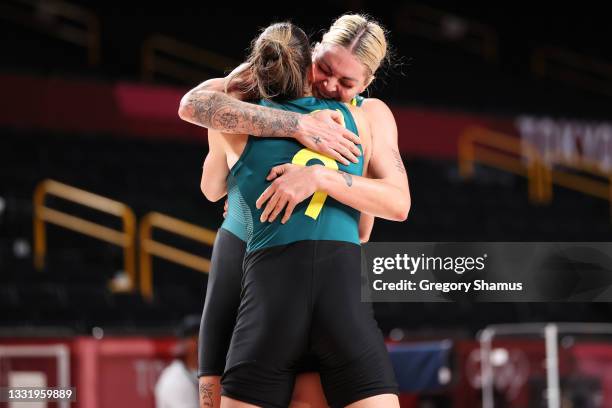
column 307, row 90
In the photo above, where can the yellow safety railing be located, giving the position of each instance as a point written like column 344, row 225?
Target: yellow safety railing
column 439, row 25
column 579, row 70
column 124, row 238
column 179, row 60
column 505, row 152
column 476, row 145
column 578, row 182
column 150, row 247
column 59, row 19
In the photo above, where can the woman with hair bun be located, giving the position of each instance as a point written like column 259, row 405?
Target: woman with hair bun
column 273, row 72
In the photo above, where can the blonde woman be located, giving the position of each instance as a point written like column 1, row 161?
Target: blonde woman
column 337, row 72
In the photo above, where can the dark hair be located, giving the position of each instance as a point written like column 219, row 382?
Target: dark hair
column 189, row 326
column 278, row 64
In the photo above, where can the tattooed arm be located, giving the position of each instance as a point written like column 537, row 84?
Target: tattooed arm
column 218, row 85
column 386, row 194
column 320, row 131
column 216, row 110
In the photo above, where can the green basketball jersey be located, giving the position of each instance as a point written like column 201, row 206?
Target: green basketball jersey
column 236, row 220
column 317, row 218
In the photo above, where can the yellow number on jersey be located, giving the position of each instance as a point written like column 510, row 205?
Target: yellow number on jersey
column 318, row 199
column 304, row 156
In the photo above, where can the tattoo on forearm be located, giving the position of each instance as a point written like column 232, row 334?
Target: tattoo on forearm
column 222, row 112
column 399, row 163
column 227, row 120
column 347, row 178
column 316, row 139
column 206, row 394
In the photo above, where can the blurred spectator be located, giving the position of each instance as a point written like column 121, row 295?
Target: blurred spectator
column 177, row 386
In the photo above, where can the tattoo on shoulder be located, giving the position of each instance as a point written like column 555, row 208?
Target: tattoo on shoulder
column 224, row 113
column 399, row 163
column 347, row 178
column 206, row 394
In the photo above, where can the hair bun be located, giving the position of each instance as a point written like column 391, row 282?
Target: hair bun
column 279, row 63
column 271, row 51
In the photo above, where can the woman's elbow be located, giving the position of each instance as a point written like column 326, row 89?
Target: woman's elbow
column 195, row 102
column 402, row 210
column 211, row 194
column 364, row 236
column 185, row 110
